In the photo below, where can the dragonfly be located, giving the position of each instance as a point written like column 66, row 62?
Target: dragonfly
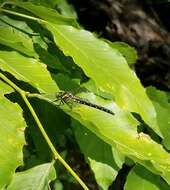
column 67, row 97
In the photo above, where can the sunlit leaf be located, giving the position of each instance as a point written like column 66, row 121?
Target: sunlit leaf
column 120, row 131
column 37, row 178
column 12, row 127
column 107, row 67
column 28, row 70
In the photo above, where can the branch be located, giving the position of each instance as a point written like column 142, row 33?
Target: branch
column 47, row 139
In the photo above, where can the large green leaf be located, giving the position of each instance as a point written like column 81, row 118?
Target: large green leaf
column 28, row 70
column 12, row 127
column 107, row 67
column 45, row 13
column 37, row 178
column 120, row 131
column 162, row 106
column 141, row 179
column 99, row 154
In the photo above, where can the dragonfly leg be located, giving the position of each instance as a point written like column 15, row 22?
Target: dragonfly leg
column 60, row 102
column 70, row 104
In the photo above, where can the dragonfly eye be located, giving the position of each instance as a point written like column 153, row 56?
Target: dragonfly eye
column 69, row 94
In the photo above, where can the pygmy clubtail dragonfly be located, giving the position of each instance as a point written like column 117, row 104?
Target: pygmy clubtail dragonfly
column 68, row 97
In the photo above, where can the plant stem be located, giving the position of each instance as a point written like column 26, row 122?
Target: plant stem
column 54, row 151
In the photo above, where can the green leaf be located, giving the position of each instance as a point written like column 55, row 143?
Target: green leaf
column 18, row 24
column 21, row 36
column 12, row 140
column 45, row 13
column 17, row 40
column 99, row 154
column 28, row 70
column 162, row 107
column 104, row 174
column 107, row 67
column 120, row 131
column 37, row 178
column 141, row 179
column 126, row 50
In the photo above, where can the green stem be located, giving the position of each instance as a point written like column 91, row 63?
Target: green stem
column 54, row 151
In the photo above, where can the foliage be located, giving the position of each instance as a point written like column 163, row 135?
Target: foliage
column 36, row 178
column 43, row 51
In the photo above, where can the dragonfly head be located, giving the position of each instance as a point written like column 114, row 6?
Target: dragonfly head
column 63, row 95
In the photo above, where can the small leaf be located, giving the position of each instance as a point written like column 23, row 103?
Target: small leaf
column 28, row 70
column 141, row 179
column 12, row 140
column 37, row 178
column 99, row 154
column 104, row 173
